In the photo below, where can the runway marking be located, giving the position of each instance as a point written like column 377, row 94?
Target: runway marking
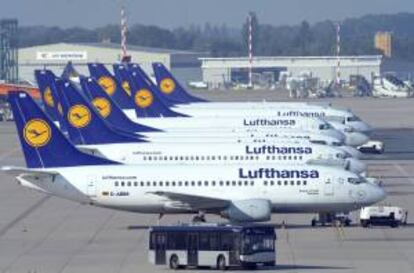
column 23, row 215
column 90, row 241
column 38, row 243
column 404, row 172
column 7, row 154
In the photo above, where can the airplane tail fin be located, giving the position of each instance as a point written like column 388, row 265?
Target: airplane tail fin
column 109, row 110
column 146, row 101
column 170, row 87
column 45, row 80
column 118, row 91
column 85, row 126
column 43, row 145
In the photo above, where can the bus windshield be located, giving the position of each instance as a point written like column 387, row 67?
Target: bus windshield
column 257, row 243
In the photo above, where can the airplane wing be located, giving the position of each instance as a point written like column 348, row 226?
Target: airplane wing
column 191, row 201
column 17, row 171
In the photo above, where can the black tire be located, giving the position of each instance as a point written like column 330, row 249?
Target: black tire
column 313, row 222
column 174, row 262
column 394, row 224
column 364, row 223
column 221, row 263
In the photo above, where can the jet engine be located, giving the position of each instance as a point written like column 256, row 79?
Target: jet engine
column 250, row 210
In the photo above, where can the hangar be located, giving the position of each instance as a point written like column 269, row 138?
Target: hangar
column 218, row 72
column 184, row 64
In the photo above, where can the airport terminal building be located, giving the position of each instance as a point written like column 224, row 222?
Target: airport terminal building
column 217, row 72
column 184, row 64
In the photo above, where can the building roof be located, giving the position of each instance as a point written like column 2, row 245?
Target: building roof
column 130, row 48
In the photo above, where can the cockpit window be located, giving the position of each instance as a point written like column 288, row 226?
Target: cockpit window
column 356, row 180
column 318, row 142
column 325, row 126
column 340, row 155
column 352, row 118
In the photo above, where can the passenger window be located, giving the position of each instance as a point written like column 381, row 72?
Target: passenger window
column 149, row 158
column 116, row 184
column 186, row 183
column 286, row 183
column 173, row 183
column 272, row 183
column 265, row 182
column 298, row 183
column 207, row 157
column 279, row 183
column 167, row 184
column 292, row 183
column 142, row 183
column 161, row 183
column 199, row 183
column 154, row 183
column 205, row 183
column 181, row 158
column 192, row 183
column 123, row 184
column 221, row 183
column 186, row 158
column 233, row 183
column 213, row 183
column 213, row 158
column 135, row 184
column 227, row 183
column 252, row 183
column 304, row 183
column 180, row 183
column 246, row 183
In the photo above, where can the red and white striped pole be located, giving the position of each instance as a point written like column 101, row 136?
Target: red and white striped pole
column 250, row 50
column 124, row 30
column 338, row 53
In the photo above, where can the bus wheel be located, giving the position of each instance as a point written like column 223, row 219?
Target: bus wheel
column 174, row 262
column 221, row 263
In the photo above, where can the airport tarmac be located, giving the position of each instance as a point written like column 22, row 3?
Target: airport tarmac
column 45, row 234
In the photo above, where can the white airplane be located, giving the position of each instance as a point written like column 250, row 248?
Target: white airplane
column 239, row 192
column 172, row 91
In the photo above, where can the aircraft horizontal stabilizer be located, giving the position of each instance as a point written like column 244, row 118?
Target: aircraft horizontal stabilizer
column 17, row 171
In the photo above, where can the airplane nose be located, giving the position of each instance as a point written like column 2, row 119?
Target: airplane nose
column 336, row 134
column 362, row 127
column 352, row 151
column 356, row 139
column 376, row 194
column 356, row 166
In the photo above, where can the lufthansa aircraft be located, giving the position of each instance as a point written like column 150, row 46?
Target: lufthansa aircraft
column 239, row 192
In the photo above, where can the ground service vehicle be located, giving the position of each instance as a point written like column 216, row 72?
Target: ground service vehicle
column 383, row 216
column 212, row 245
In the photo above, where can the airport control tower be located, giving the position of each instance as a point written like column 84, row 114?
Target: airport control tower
column 8, row 51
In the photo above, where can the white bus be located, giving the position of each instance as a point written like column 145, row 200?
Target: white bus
column 212, row 245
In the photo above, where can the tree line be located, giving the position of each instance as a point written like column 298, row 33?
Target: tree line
column 220, row 40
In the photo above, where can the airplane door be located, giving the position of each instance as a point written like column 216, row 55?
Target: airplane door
column 328, row 187
column 91, row 186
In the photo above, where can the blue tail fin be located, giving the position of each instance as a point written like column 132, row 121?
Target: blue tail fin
column 109, row 110
column 119, row 92
column 45, row 80
column 133, row 67
column 147, row 103
column 170, row 87
column 85, row 126
column 44, row 146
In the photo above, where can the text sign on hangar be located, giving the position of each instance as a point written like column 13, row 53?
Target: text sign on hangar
column 61, row 55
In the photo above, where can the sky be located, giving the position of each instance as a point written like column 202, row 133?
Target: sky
column 175, row 13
